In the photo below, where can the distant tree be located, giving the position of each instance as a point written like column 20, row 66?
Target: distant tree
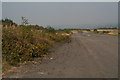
column 24, row 21
column 87, row 29
column 7, row 22
column 50, row 29
column 38, row 27
column 95, row 29
column 67, row 30
column 0, row 22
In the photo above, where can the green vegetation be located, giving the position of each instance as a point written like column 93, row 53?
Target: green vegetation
column 115, row 34
column 50, row 29
column 26, row 42
column 7, row 22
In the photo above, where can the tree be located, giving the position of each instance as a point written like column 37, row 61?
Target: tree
column 7, row 22
column 95, row 29
column 24, row 21
column 50, row 29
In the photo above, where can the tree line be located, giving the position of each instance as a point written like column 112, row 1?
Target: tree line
column 9, row 22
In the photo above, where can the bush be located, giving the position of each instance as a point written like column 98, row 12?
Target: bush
column 20, row 45
column 27, row 42
column 57, row 38
column 50, row 29
column 67, row 31
column 7, row 22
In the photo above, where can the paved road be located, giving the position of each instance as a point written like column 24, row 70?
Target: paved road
column 86, row 56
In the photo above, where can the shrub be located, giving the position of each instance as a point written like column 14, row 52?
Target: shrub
column 58, row 38
column 20, row 45
column 50, row 29
column 27, row 42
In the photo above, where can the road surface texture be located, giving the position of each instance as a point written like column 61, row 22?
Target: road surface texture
column 85, row 56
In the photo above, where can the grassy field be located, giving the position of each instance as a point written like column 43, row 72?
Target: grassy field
column 24, row 43
column 115, row 34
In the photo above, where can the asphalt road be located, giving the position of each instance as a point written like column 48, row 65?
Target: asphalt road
column 86, row 56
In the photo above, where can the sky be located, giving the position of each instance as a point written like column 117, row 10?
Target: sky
column 0, row 10
column 63, row 14
column 60, row 0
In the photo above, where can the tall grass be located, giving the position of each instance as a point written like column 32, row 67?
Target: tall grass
column 24, row 43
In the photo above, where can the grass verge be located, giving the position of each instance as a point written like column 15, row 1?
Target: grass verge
column 24, row 43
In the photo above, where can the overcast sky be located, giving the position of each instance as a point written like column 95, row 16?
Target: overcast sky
column 64, row 13
column 0, row 10
column 60, row 0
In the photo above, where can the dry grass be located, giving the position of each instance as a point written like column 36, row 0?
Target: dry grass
column 24, row 43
